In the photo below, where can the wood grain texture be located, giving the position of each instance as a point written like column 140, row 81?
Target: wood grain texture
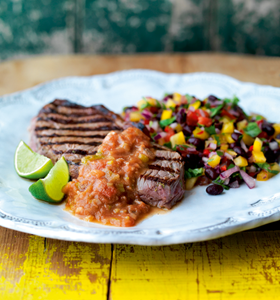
column 241, row 266
column 32, row 267
column 21, row 74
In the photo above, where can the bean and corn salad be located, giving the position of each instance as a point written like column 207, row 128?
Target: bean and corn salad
column 220, row 144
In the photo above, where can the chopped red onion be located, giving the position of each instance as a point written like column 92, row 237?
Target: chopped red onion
column 227, row 155
column 202, row 112
column 243, row 146
column 273, row 145
column 191, row 108
column 212, row 153
column 212, row 146
column 173, row 125
column 217, row 130
column 147, row 114
column 248, row 179
column 191, row 149
column 155, row 125
column 160, row 135
column 234, row 184
column 205, row 159
column 226, row 174
column 217, row 102
column 226, row 182
column 233, row 112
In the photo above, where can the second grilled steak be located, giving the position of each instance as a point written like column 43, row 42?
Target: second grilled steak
column 63, row 128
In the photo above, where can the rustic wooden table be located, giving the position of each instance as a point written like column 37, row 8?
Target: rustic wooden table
column 243, row 265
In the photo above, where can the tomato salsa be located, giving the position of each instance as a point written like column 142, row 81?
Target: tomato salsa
column 105, row 190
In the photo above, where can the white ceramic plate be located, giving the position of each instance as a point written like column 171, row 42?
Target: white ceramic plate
column 198, row 217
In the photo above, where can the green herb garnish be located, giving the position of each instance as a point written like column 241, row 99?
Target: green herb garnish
column 266, row 167
column 220, row 182
column 210, row 130
column 164, row 123
column 252, row 129
column 216, row 110
column 190, row 173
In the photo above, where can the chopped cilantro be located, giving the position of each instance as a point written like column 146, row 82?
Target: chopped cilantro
column 266, row 167
column 216, row 110
column 220, row 153
column 207, row 105
column 217, row 139
column 258, row 118
column 211, row 159
column 190, row 173
column 189, row 98
column 167, row 122
column 145, row 105
column 220, row 182
column 231, row 166
column 252, row 129
column 234, row 101
column 210, row 130
column 168, row 145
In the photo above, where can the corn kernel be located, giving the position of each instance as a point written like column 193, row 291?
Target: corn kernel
column 207, row 143
column 277, row 129
column 214, row 161
column 190, row 182
column 201, row 134
column 178, row 128
column 135, row 116
column 152, row 101
column 228, row 128
column 166, row 114
column 258, row 157
column 195, row 105
column 224, row 147
column 257, row 145
column 232, row 153
column 247, row 139
column 240, row 161
column 143, row 157
column 225, row 119
column 274, row 167
column 262, row 176
column 178, row 139
column 241, row 125
column 170, row 103
column 177, row 97
column 140, row 103
column 228, row 138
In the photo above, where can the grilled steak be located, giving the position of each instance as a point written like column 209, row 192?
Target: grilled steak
column 63, row 128
column 162, row 184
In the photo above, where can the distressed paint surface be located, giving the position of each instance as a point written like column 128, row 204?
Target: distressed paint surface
column 242, row 266
column 36, row 26
column 132, row 26
column 32, row 268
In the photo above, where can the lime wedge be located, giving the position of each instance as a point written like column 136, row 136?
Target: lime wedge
column 29, row 164
column 50, row 188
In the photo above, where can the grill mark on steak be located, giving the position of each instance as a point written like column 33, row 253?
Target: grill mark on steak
column 169, row 166
column 73, row 121
column 72, row 142
column 79, row 128
column 77, row 151
column 70, row 136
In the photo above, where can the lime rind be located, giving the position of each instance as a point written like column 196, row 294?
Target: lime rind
column 29, row 164
column 50, row 188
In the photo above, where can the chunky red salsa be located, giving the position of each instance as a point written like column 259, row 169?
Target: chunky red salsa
column 105, row 190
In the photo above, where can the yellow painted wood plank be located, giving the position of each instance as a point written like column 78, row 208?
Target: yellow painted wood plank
column 241, row 266
column 52, row 269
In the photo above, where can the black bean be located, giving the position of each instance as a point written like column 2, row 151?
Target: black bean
column 191, row 161
column 181, row 116
column 268, row 128
column 232, row 145
column 236, row 136
column 214, row 189
column 198, row 143
column 278, row 136
column 188, row 130
column 211, row 173
column 239, row 151
column 272, row 155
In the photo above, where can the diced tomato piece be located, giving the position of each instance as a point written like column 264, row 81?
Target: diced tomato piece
column 146, row 122
column 226, row 113
column 259, row 122
column 223, row 168
column 170, row 132
column 205, row 121
column 192, row 118
column 251, row 148
column 206, row 152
